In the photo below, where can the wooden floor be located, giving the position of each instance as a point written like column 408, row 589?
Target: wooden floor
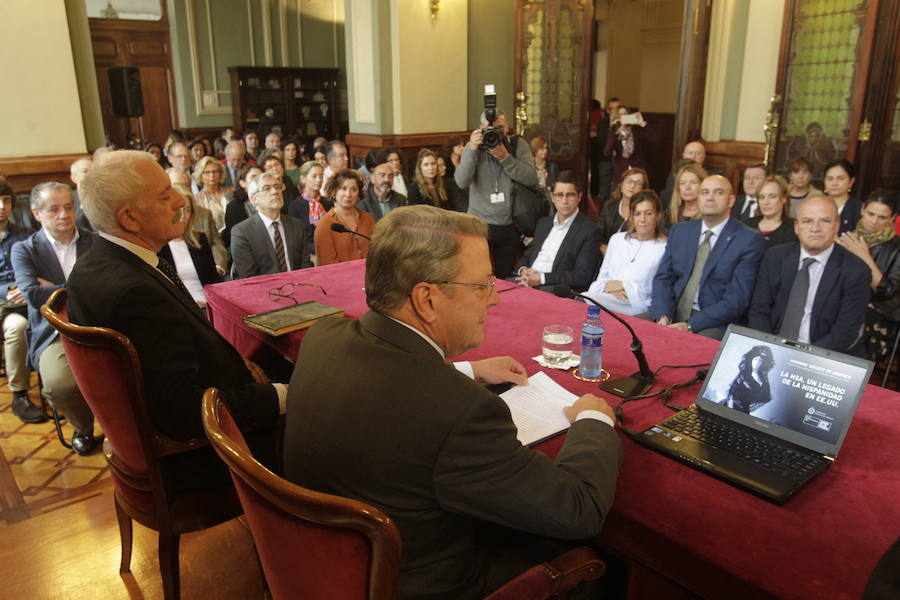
column 59, row 537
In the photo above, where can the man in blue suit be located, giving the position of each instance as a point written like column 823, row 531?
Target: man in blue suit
column 42, row 263
column 706, row 276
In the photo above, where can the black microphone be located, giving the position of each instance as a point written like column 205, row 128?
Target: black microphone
column 625, row 387
column 339, row 228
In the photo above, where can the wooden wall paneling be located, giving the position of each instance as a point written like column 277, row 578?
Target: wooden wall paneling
column 733, row 158
column 23, row 173
column 409, row 145
column 661, row 125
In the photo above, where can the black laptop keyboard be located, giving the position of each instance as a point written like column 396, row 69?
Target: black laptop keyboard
column 767, row 453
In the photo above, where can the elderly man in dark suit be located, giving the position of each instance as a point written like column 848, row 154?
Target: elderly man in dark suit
column 42, row 263
column 706, row 275
column 381, row 416
column 268, row 241
column 813, row 291
column 566, row 246
column 122, row 284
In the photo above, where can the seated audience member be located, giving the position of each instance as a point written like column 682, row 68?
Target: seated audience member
column 877, row 245
column 333, row 247
column 234, row 162
column 272, row 163
column 219, row 145
column 800, row 174
column 42, row 263
column 13, row 315
column 684, row 202
column 706, row 275
column 209, row 175
column 695, row 152
column 628, row 144
column 251, row 143
column 121, row 283
column 179, row 156
column 625, row 281
column 197, row 149
column 290, row 151
column 320, row 157
column 813, row 291
column 614, row 214
column 450, row 472
column 566, row 246
column 156, row 149
column 192, row 255
column 546, row 169
column 452, row 150
column 273, row 140
column 269, row 241
column 745, row 207
column 202, row 219
column 176, row 136
column 839, row 179
column 311, row 205
column 772, row 221
column 337, row 158
column 240, row 206
column 77, row 171
column 427, row 186
column 399, row 184
column 380, row 198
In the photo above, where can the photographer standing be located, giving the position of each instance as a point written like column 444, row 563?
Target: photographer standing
column 489, row 173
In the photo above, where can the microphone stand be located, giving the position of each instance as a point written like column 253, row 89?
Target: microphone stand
column 340, row 228
column 625, row 387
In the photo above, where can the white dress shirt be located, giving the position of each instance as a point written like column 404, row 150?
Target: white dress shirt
column 717, row 232
column 66, row 254
column 268, row 223
column 187, row 272
column 815, row 277
column 543, row 263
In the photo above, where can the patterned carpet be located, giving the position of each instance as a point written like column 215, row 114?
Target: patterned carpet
column 37, row 474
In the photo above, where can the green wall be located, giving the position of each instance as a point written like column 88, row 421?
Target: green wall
column 492, row 43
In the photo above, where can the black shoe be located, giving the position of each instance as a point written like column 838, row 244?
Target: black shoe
column 25, row 410
column 83, row 445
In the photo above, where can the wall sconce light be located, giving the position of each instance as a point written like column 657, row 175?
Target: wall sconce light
column 435, row 7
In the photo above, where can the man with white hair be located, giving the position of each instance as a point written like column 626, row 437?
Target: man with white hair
column 234, row 160
column 268, row 241
column 122, row 284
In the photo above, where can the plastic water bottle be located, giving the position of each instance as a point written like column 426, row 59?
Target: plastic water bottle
column 591, row 344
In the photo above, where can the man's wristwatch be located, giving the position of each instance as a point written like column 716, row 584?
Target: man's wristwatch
column 689, row 328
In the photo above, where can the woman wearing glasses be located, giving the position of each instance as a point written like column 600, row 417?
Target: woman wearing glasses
column 343, row 190
column 209, row 175
column 615, row 213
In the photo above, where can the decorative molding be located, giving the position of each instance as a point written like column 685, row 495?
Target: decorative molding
column 363, row 56
column 267, row 31
column 334, row 43
column 252, row 37
column 196, row 75
column 282, row 28
column 299, row 35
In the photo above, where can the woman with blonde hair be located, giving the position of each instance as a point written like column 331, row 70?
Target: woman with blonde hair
column 684, row 205
column 427, row 186
column 546, row 170
column 773, row 221
column 209, row 175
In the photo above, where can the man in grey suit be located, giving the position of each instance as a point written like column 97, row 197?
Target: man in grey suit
column 268, row 242
column 42, row 263
column 375, row 412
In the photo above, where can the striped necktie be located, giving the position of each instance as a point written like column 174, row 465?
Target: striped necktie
column 279, row 248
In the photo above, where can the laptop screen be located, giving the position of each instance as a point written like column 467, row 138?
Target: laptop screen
column 796, row 392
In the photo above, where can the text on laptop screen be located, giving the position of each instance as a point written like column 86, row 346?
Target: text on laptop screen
column 807, row 393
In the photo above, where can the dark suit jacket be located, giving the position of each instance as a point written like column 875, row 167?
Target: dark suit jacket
column 375, row 413
column 181, row 353
column 784, row 234
column 850, row 215
column 738, row 207
column 253, row 252
column 32, row 258
column 726, row 285
column 841, row 298
column 202, row 258
column 576, row 261
column 369, row 202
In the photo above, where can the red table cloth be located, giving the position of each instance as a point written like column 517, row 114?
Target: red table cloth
column 678, row 527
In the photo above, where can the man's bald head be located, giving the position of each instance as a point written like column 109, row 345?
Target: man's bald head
column 716, row 199
column 694, row 151
column 817, row 224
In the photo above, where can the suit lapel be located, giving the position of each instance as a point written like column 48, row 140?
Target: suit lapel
column 49, row 262
column 827, row 283
column 263, row 236
column 568, row 240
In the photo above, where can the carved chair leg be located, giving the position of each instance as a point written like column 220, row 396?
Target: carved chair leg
column 125, row 536
column 168, row 566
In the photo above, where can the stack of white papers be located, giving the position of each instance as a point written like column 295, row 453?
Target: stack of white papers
column 537, row 409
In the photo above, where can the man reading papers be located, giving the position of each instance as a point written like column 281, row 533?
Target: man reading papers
column 376, row 413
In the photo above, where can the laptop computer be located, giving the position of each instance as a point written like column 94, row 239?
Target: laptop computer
column 771, row 415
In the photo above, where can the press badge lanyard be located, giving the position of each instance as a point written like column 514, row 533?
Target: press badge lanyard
column 497, row 197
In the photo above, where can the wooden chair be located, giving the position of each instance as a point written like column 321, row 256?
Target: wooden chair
column 316, row 545
column 108, row 372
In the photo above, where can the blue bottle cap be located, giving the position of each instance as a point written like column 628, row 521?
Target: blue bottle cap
column 593, row 311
